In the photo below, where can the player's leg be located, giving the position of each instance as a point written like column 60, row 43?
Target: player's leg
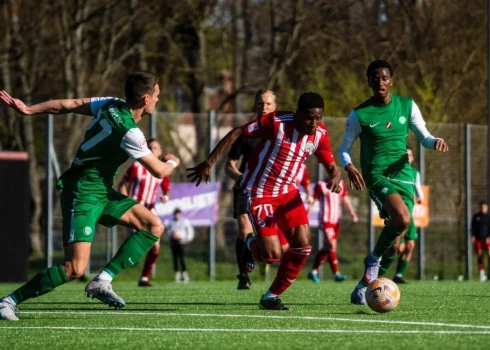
column 79, row 220
column 124, row 211
column 487, row 246
column 150, row 260
column 240, row 213
column 405, row 257
column 175, row 260
column 395, row 202
column 293, row 221
column 320, row 257
column 479, row 245
column 185, row 274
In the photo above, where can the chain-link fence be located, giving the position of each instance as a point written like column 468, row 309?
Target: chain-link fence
column 187, row 135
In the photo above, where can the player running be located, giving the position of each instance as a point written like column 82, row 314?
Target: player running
column 480, row 237
column 139, row 184
column 382, row 123
column 286, row 140
column 87, row 196
column 329, row 221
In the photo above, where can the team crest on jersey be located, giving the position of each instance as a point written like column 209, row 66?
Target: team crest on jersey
column 261, row 223
column 252, row 127
column 309, row 146
column 402, row 120
column 388, row 125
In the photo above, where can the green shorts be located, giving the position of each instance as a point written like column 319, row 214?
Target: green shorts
column 383, row 187
column 411, row 234
column 82, row 213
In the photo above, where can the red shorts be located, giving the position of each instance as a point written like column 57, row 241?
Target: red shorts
column 274, row 215
column 480, row 244
column 331, row 231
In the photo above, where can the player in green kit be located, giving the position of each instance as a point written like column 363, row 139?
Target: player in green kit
column 382, row 123
column 87, row 196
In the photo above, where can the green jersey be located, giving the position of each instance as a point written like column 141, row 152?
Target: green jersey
column 383, row 131
column 109, row 141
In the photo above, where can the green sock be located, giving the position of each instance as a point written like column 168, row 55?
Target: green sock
column 386, row 239
column 386, row 262
column 402, row 267
column 44, row 282
column 131, row 251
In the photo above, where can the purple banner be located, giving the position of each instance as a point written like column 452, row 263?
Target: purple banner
column 200, row 205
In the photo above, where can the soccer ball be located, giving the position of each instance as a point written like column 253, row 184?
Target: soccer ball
column 382, row 295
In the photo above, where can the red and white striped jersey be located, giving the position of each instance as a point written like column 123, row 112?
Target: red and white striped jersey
column 275, row 162
column 143, row 185
column 303, row 177
column 330, row 202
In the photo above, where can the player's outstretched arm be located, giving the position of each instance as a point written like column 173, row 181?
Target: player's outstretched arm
column 417, row 125
column 158, row 168
column 335, row 176
column 76, row 105
column 202, row 171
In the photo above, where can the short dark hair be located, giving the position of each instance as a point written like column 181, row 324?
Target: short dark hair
column 177, row 211
column 483, row 203
column 409, row 148
column 310, row 100
column 139, row 84
column 378, row 64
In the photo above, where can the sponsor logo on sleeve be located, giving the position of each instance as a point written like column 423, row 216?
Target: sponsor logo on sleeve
column 252, row 127
column 143, row 144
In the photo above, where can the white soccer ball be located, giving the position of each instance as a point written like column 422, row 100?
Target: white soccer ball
column 382, row 295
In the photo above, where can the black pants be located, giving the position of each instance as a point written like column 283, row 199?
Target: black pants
column 178, row 255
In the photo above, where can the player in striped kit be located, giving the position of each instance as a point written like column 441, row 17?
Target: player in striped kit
column 329, row 219
column 139, row 184
column 286, row 139
column 303, row 179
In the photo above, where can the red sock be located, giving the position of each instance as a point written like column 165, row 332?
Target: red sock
column 333, row 261
column 320, row 258
column 481, row 267
column 150, row 260
column 291, row 264
column 256, row 253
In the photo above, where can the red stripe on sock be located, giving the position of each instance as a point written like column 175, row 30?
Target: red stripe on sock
column 332, row 259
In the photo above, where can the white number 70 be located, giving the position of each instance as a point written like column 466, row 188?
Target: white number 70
column 267, row 208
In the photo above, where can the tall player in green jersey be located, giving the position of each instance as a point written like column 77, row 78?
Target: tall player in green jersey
column 87, row 196
column 382, row 123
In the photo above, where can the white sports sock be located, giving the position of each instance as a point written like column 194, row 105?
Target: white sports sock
column 10, row 300
column 269, row 295
column 104, row 276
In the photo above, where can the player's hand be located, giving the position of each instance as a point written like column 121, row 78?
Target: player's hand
column 441, row 146
column 171, row 157
column 335, row 176
column 355, row 177
column 355, row 219
column 164, row 198
column 310, row 200
column 200, row 172
column 473, row 239
column 14, row 103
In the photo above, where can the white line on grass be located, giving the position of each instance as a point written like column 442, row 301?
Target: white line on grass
column 225, row 330
column 316, row 318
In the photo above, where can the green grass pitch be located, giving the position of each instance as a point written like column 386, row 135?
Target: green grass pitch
column 203, row 315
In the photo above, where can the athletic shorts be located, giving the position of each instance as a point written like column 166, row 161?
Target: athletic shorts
column 411, row 234
column 273, row 214
column 82, row 213
column 331, row 230
column 382, row 188
column 240, row 202
column 482, row 244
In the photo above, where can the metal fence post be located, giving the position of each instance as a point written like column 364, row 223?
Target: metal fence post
column 421, row 230
column 212, row 228
column 467, row 185
column 49, row 191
